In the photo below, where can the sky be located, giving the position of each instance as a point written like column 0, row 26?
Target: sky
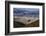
column 26, row 11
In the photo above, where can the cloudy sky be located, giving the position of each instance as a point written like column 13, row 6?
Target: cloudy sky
column 26, row 11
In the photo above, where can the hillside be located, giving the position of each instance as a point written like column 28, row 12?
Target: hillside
column 33, row 24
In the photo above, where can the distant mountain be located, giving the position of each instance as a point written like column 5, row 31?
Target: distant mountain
column 26, row 12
